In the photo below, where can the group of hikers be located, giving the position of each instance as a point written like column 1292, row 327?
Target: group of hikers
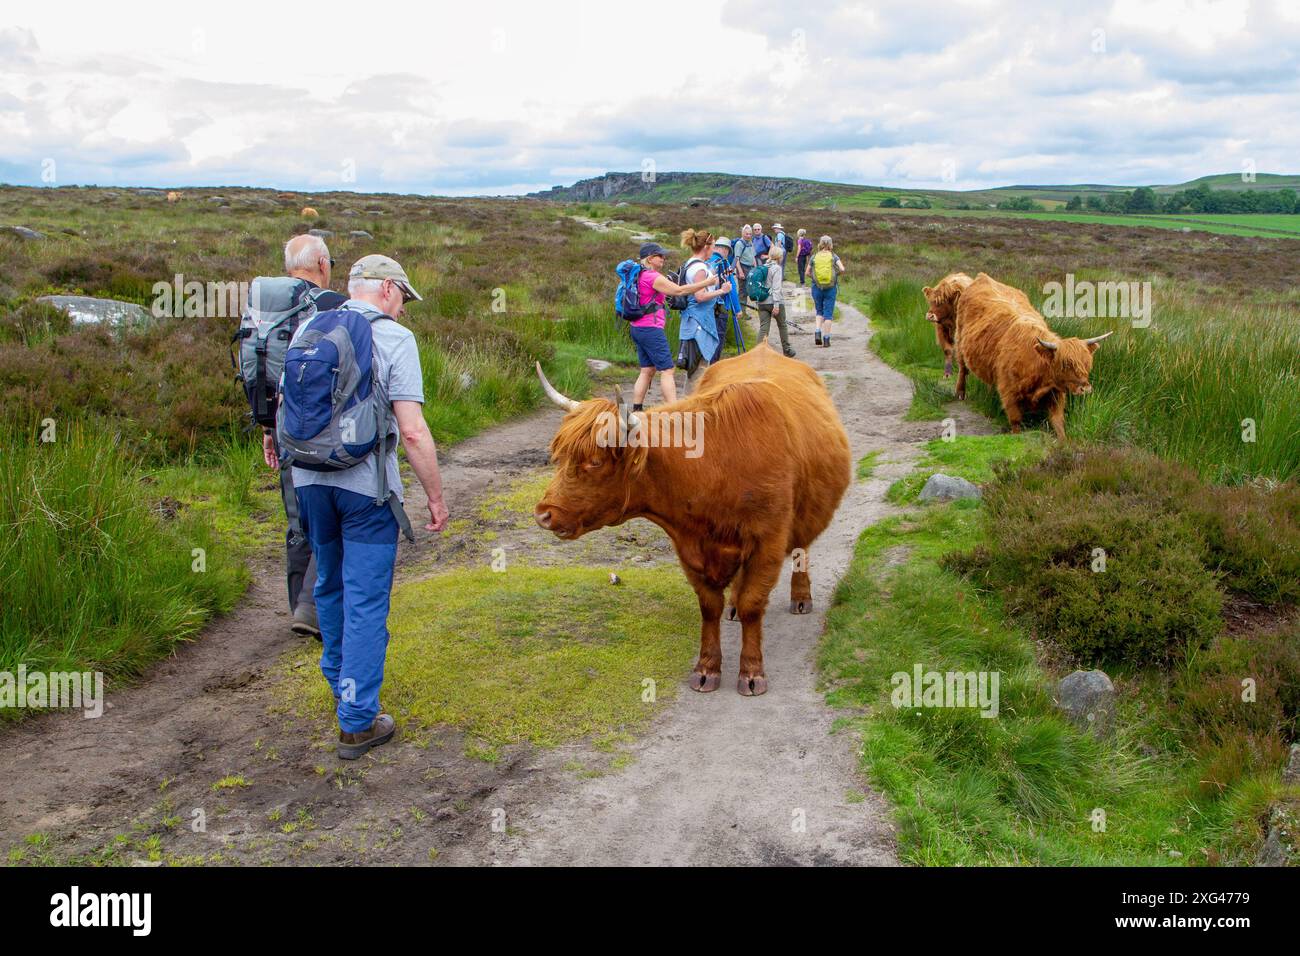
column 334, row 382
column 719, row 278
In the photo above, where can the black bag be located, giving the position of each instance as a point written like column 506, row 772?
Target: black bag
column 787, row 243
column 680, row 303
column 688, row 356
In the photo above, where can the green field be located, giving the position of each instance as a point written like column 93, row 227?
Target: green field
column 727, row 189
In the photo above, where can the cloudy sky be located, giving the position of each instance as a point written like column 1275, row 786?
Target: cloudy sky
column 500, row 96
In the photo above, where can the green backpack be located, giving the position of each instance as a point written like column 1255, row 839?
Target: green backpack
column 756, row 284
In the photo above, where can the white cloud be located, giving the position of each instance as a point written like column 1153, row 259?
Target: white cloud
column 505, row 95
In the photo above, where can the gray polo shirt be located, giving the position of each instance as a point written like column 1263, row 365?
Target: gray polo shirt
column 397, row 367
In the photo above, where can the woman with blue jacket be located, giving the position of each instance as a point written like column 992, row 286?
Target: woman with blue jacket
column 698, row 325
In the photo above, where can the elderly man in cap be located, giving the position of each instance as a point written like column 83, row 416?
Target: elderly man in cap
column 355, row 539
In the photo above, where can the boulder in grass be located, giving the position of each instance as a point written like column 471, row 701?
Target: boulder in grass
column 946, row 487
column 322, row 233
column 597, row 365
column 1292, row 772
column 359, row 234
column 1087, row 698
column 22, row 232
column 87, row 310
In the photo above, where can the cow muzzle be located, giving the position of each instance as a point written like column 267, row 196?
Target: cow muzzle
column 548, row 520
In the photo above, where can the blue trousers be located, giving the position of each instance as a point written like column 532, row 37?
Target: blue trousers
column 824, row 300
column 355, row 543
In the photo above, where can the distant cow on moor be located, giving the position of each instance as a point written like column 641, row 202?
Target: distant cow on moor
column 764, row 482
column 1003, row 339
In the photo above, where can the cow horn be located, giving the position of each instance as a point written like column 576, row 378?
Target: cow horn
column 1097, row 338
column 630, row 420
column 1049, row 345
column 563, row 401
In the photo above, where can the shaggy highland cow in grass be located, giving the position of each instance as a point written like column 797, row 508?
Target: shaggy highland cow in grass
column 941, row 302
column 764, row 482
column 1003, row 339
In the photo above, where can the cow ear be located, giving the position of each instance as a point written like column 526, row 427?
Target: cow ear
column 926, row 291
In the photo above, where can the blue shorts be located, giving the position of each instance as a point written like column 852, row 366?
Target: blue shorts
column 824, row 300
column 651, row 347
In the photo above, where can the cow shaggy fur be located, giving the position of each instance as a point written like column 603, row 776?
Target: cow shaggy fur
column 775, row 463
column 1003, row 339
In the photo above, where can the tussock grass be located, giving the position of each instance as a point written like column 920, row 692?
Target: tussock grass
column 95, row 576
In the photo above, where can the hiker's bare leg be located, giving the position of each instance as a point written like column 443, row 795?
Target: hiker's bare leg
column 643, row 379
column 668, row 385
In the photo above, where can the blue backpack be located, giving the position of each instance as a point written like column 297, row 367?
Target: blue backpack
column 333, row 414
column 627, row 297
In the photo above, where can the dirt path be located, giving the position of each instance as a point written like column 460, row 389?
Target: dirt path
column 717, row 779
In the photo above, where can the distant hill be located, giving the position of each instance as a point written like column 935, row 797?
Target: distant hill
column 729, row 189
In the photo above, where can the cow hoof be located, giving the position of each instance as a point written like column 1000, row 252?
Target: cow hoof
column 961, row 396
column 730, row 613
column 751, row 686
column 802, row 606
column 703, row 683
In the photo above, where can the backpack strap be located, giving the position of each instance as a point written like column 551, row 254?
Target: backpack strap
column 383, row 448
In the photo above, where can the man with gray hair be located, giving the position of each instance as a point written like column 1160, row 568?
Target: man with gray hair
column 353, row 515
column 306, row 257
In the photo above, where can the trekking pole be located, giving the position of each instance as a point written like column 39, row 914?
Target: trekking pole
column 740, row 336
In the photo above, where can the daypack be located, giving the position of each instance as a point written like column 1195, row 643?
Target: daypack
column 787, row 242
column 823, row 270
column 333, row 414
column 756, row 284
column 680, row 303
column 277, row 305
column 627, row 297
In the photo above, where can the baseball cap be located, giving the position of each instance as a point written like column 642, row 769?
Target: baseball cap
column 382, row 267
column 649, row 249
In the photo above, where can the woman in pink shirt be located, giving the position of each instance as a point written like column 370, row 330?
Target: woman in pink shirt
column 648, row 333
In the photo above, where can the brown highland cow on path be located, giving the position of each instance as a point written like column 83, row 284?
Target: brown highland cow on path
column 1003, row 339
column 770, row 468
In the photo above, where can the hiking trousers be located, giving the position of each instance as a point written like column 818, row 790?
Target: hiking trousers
column 765, row 323
column 299, row 563
column 355, row 543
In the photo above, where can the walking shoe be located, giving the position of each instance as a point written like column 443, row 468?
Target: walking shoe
column 789, row 353
column 826, row 341
column 304, row 620
column 352, row 746
column 817, row 338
